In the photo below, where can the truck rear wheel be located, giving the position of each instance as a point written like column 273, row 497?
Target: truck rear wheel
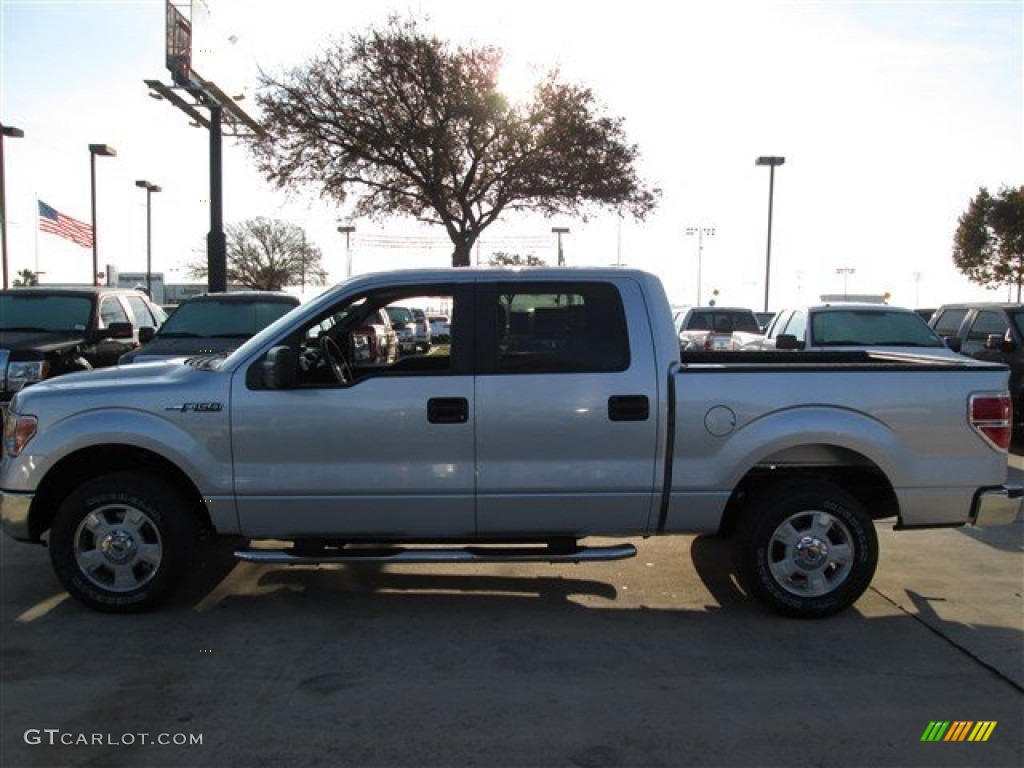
column 120, row 542
column 808, row 550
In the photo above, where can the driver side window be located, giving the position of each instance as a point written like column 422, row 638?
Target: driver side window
column 370, row 336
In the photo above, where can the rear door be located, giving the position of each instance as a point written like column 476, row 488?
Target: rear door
column 566, row 409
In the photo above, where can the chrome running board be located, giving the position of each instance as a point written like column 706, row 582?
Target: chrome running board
column 471, row 554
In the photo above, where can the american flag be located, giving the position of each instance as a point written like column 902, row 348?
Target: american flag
column 53, row 221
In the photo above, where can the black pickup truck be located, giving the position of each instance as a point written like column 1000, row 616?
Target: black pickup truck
column 992, row 331
column 46, row 331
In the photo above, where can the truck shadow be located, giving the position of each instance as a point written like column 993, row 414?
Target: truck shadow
column 219, row 578
column 597, row 665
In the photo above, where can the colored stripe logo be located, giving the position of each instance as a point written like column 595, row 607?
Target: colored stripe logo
column 958, row 730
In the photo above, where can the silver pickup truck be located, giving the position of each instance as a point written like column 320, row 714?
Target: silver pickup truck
column 561, row 409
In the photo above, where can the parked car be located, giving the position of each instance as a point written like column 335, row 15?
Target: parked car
column 715, row 328
column 852, row 326
column 46, row 332
column 212, row 324
column 404, row 324
column 362, row 333
column 422, row 330
column 440, row 329
column 988, row 331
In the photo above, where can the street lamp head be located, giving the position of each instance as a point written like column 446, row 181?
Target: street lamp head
column 346, row 229
column 148, row 186
column 770, row 160
column 560, row 230
column 104, row 150
column 11, row 132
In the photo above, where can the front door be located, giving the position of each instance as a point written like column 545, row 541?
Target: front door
column 386, row 453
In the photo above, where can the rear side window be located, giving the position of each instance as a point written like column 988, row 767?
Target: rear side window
column 143, row 317
column 949, row 321
column 985, row 323
column 549, row 329
column 111, row 311
column 797, row 325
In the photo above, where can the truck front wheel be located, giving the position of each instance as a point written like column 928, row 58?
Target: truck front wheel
column 120, row 542
column 808, row 550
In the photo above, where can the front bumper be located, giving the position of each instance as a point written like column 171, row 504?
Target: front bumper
column 14, row 509
column 996, row 506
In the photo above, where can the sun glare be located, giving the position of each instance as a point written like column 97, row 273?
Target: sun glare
column 517, row 79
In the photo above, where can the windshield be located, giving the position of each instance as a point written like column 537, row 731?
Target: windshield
column 400, row 316
column 223, row 318
column 44, row 313
column 875, row 328
column 723, row 321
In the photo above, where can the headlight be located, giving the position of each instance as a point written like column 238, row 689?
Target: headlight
column 22, row 374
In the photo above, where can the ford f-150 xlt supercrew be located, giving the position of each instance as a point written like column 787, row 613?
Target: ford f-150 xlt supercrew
column 560, row 409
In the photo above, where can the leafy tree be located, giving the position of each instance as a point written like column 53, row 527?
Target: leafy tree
column 268, row 254
column 503, row 259
column 419, row 128
column 988, row 246
column 26, row 277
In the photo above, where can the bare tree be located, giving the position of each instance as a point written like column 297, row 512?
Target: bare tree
column 420, row 128
column 503, row 259
column 268, row 254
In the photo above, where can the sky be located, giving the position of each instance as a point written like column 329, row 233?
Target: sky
column 890, row 116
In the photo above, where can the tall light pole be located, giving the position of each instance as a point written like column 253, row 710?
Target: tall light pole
column 560, row 231
column 14, row 133
column 700, row 232
column 845, row 272
column 150, row 189
column 771, row 162
column 917, row 288
column 347, row 230
column 103, row 150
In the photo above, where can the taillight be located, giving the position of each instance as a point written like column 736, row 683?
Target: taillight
column 991, row 416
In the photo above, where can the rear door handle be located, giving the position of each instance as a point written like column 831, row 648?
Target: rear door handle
column 629, row 408
column 447, row 410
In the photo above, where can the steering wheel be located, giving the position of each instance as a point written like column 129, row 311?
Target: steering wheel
column 336, row 359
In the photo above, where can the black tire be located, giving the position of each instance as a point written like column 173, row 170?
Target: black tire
column 121, row 542
column 807, row 550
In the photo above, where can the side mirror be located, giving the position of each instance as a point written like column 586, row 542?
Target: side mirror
column 953, row 343
column 788, row 341
column 146, row 334
column 113, row 331
column 280, row 368
column 1004, row 343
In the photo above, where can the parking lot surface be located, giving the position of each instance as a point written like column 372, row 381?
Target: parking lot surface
column 655, row 661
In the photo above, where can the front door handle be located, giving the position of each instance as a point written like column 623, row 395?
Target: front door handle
column 629, row 408
column 447, row 410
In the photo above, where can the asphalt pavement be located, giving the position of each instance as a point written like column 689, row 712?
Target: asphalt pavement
column 656, row 661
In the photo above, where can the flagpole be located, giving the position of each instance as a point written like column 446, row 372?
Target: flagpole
column 37, row 237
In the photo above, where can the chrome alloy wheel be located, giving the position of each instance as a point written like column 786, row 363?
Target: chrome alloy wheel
column 118, row 547
column 811, row 553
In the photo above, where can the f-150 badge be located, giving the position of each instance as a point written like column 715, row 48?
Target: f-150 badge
column 197, row 407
